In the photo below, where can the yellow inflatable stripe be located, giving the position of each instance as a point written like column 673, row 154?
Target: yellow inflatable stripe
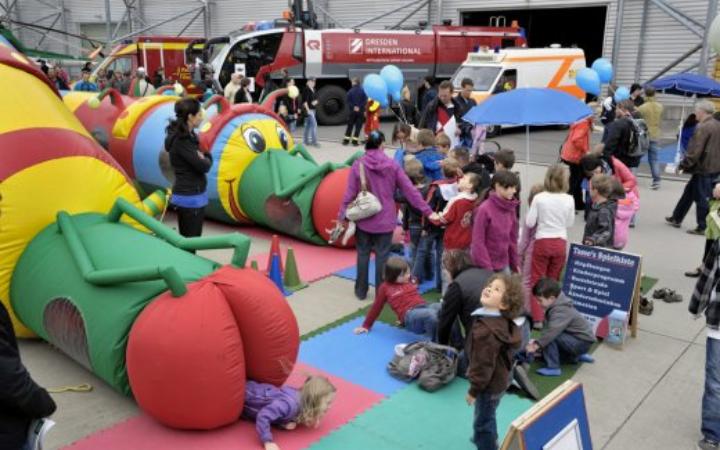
column 29, row 103
column 73, row 100
column 127, row 120
column 32, row 198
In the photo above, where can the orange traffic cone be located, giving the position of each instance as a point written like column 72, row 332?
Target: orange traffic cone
column 275, row 250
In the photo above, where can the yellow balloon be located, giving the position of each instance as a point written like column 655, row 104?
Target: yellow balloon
column 293, row 91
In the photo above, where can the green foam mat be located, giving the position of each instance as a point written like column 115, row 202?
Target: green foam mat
column 411, row 419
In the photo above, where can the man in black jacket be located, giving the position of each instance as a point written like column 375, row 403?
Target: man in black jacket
column 466, row 104
column 440, row 111
column 619, row 134
column 21, row 399
column 356, row 100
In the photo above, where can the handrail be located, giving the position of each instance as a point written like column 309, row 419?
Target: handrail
column 239, row 242
column 109, row 277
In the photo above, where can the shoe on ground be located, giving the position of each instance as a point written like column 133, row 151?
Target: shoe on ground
column 360, row 297
column 673, row 297
column 522, row 379
column 655, row 186
column 356, row 143
column 707, row 444
column 696, row 231
column 646, row 306
column 586, row 358
column 672, row 222
column 549, row 372
column 345, row 142
column 695, row 273
column 632, row 224
column 661, row 293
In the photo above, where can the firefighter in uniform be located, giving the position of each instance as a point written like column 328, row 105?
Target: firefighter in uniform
column 356, row 100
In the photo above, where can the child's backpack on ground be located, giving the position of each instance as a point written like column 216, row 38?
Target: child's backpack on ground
column 433, row 365
column 639, row 138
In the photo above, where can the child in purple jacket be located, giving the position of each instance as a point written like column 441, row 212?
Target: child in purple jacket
column 286, row 407
column 495, row 226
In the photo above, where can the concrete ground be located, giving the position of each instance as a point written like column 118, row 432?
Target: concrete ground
column 645, row 396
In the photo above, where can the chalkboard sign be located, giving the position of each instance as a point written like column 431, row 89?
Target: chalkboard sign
column 599, row 280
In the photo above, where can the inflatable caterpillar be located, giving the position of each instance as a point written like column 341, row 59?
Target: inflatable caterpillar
column 85, row 267
column 258, row 175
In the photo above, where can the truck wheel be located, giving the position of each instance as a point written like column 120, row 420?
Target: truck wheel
column 332, row 107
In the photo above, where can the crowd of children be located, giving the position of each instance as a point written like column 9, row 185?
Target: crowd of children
column 478, row 213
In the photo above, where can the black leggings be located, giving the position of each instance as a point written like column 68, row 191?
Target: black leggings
column 190, row 221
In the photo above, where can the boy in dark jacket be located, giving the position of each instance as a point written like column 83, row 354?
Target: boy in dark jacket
column 356, row 100
column 493, row 339
column 600, row 222
column 567, row 335
column 21, row 399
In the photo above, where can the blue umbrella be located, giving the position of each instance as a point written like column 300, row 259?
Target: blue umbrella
column 529, row 106
column 687, row 84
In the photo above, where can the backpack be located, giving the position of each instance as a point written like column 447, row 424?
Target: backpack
column 433, row 365
column 639, row 138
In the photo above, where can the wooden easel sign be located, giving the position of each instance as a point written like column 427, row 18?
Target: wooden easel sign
column 557, row 422
column 599, row 281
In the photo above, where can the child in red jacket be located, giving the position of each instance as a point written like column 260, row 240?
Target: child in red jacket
column 402, row 294
column 457, row 215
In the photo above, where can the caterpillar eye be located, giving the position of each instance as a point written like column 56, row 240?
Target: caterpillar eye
column 254, row 139
column 283, row 136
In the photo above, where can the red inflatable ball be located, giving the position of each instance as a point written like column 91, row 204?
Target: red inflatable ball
column 326, row 204
column 188, row 358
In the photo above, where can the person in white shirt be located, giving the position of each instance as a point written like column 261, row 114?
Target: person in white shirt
column 232, row 87
column 553, row 212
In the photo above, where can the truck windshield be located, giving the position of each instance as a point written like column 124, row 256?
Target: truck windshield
column 249, row 54
column 482, row 77
column 214, row 50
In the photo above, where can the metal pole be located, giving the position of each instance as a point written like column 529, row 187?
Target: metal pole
column 440, row 12
column 206, row 18
column 155, row 25
column 641, row 45
column 61, row 5
column 191, row 22
column 711, row 13
column 57, row 18
column 412, row 13
column 429, row 19
column 681, row 18
column 682, row 58
column 324, row 11
column 108, row 22
column 385, row 14
column 119, row 24
column 618, row 27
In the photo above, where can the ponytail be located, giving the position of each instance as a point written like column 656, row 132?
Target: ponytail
column 184, row 108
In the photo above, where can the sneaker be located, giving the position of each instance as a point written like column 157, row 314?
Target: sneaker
column 646, row 306
column 672, row 222
column 586, row 358
column 548, row 372
column 707, row 444
column 360, row 297
column 345, row 141
column 695, row 273
column 356, row 143
column 697, row 231
column 655, row 186
column 673, row 297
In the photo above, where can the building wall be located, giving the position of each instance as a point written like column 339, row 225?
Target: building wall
column 665, row 39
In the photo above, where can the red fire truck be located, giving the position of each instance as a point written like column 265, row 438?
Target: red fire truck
column 333, row 56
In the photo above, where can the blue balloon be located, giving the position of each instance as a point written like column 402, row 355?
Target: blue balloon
column 396, row 96
column 375, row 88
column 393, row 78
column 604, row 69
column 588, row 80
column 384, row 102
column 622, row 93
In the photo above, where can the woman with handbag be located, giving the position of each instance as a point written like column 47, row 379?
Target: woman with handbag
column 369, row 201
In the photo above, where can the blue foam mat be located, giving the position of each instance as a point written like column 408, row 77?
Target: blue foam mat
column 351, row 274
column 360, row 359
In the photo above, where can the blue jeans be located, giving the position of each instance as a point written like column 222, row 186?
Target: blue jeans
column 698, row 190
column 711, row 397
column 424, row 253
column 566, row 347
column 485, row 433
column 364, row 244
column 310, row 130
column 423, row 319
column 415, row 231
column 653, row 161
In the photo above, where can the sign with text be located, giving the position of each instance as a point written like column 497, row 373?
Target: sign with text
column 598, row 281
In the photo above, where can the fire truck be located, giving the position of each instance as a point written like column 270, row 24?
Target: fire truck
column 298, row 49
column 152, row 53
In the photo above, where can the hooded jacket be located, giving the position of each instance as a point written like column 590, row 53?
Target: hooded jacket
column 491, row 345
column 495, row 234
column 383, row 176
column 21, row 399
column 600, row 224
column 562, row 317
column 269, row 405
column 188, row 166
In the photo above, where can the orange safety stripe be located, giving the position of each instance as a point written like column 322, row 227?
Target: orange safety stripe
column 542, row 58
column 560, row 74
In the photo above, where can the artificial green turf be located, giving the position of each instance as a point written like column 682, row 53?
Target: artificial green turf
column 414, row 419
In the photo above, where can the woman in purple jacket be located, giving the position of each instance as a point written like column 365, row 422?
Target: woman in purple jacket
column 286, row 407
column 384, row 177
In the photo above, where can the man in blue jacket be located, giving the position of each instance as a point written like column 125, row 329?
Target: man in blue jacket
column 356, row 100
column 85, row 84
